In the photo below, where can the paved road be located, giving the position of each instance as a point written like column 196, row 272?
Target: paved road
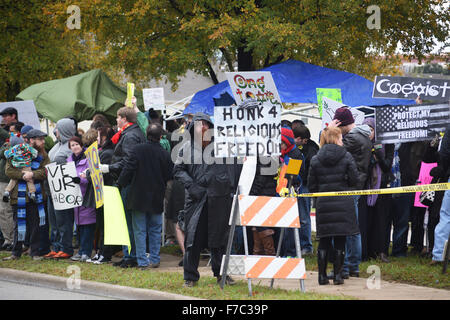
column 16, row 291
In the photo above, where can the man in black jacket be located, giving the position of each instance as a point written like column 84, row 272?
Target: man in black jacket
column 209, row 187
column 125, row 139
column 147, row 171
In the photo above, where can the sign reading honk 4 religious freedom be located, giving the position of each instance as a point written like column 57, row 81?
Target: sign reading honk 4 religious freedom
column 249, row 131
column 411, row 88
column 396, row 124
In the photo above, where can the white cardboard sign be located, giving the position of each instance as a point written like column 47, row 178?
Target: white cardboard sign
column 330, row 107
column 154, row 98
column 65, row 193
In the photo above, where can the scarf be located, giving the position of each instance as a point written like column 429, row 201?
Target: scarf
column 77, row 159
column 116, row 137
column 21, row 203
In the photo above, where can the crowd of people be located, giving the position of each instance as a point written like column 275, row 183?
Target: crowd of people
column 158, row 170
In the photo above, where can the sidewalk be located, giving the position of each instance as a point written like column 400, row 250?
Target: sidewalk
column 354, row 287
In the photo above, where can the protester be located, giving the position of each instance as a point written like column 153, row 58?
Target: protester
column 333, row 169
column 99, row 121
column 9, row 117
column 208, row 200
column 125, row 139
column 147, row 171
column 6, row 213
column 289, row 151
column 442, row 230
column 374, row 214
column 357, row 143
column 29, row 215
column 309, row 149
column 21, row 156
column 24, row 131
column 85, row 218
column 61, row 221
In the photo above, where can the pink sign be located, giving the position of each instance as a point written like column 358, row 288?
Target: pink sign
column 424, row 178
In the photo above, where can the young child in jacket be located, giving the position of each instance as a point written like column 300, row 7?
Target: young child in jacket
column 21, row 155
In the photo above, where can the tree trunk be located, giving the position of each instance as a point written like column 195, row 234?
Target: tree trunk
column 12, row 90
column 245, row 59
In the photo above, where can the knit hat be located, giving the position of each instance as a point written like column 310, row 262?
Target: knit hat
column 370, row 122
column 344, row 115
column 287, row 136
column 25, row 129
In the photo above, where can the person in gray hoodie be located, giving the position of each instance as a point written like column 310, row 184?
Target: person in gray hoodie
column 357, row 142
column 61, row 221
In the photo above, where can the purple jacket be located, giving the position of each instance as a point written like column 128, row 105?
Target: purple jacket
column 82, row 214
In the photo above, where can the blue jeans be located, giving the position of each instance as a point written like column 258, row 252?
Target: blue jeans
column 129, row 218
column 55, row 237
column 86, row 233
column 147, row 225
column 64, row 222
column 304, row 209
column 353, row 248
column 442, row 230
column 400, row 210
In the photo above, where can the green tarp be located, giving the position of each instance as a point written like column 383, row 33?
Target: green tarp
column 80, row 96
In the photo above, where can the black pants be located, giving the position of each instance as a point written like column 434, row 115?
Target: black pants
column 32, row 225
column 328, row 243
column 417, row 231
column 191, row 257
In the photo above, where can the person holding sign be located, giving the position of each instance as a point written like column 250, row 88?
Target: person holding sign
column 29, row 215
column 85, row 218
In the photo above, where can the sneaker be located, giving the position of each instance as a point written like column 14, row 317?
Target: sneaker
column 129, row 264
column 102, row 260
column 307, row 252
column 189, row 284
column 62, row 255
column 12, row 257
column 228, row 281
column 37, row 258
column 6, row 196
column 76, row 257
column 150, row 266
column 51, row 254
column 84, row 258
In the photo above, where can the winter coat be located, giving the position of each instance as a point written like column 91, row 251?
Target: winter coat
column 147, row 170
column 105, row 154
column 309, row 150
column 83, row 215
column 39, row 176
column 264, row 184
column 411, row 155
column 208, row 187
column 128, row 139
column 333, row 169
column 358, row 144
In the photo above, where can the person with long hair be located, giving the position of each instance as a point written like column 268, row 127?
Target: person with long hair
column 333, row 169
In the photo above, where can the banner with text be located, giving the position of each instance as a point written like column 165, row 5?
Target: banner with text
column 410, row 88
column 240, row 132
column 96, row 175
column 396, row 124
column 65, row 193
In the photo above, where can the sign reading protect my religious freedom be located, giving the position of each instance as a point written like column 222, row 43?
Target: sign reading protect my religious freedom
column 396, row 124
column 411, row 88
column 66, row 194
column 249, row 131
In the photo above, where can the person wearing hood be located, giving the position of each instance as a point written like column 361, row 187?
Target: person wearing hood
column 357, row 142
column 209, row 186
column 61, row 221
column 374, row 214
column 333, row 169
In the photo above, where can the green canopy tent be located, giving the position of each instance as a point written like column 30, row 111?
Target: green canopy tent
column 80, row 96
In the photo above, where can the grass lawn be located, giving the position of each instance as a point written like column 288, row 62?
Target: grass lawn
column 162, row 281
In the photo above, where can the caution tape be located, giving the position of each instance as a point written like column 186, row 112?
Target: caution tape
column 407, row 189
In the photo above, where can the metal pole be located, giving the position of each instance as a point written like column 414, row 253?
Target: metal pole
column 244, row 231
column 234, row 213
column 299, row 254
column 280, row 241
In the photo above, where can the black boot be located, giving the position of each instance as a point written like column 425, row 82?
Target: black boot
column 339, row 256
column 322, row 261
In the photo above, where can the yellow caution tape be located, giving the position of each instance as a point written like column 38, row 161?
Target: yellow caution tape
column 407, row 189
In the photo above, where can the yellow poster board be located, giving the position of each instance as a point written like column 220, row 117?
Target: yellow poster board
column 116, row 229
column 130, row 94
column 294, row 166
column 96, row 175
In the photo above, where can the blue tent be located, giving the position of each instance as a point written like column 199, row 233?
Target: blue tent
column 296, row 82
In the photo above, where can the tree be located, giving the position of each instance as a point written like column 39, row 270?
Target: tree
column 153, row 39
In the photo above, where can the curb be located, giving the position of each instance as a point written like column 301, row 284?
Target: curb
column 88, row 287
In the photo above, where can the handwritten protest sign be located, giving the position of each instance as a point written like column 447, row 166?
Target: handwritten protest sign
column 65, row 193
column 398, row 124
column 240, row 132
column 411, row 88
column 333, row 94
column 96, row 175
column 329, row 109
column 154, row 98
column 258, row 85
